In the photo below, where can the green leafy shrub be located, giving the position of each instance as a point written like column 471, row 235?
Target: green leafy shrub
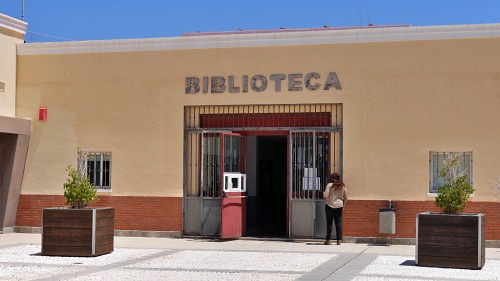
column 78, row 190
column 453, row 195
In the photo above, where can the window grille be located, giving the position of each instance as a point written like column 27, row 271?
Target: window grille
column 436, row 164
column 211, row 165
column 315, row 131
column 192, row 160
column 99, row 169
column 263, row 117
column 311, row 162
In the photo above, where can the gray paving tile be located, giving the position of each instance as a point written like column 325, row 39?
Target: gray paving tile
column 328, row 268
column 353, row 267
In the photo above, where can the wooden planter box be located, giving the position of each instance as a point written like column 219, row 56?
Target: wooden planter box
column 77, row 232
column 454, row 241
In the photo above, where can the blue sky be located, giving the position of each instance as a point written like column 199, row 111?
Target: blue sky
column 105, row 19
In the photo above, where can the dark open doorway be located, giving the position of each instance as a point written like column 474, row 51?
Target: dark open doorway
column 267, row 215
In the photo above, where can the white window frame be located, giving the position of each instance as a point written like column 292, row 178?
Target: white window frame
column 101, row 161
column 435, row 163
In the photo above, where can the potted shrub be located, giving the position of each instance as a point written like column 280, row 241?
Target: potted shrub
column 78, row 190
column 451, row 238
column 77, row 229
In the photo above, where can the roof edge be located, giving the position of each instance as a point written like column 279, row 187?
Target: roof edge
column 13, row 24
column 365, row 35
column 289, row 30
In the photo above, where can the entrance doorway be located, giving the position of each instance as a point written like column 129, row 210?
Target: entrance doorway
column 267, row 204
column 285, row 154
column 14, row 140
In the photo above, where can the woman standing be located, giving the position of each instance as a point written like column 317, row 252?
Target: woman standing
column 336, row 199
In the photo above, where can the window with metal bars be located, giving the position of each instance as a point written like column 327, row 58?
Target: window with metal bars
column 211, row 165
column 310, row 161
column 436, row 162
column 99, row 169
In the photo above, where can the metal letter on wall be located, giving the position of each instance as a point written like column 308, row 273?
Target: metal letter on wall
column 192, row 85
column 332, row 81
column 218, row 85
column 262, row 81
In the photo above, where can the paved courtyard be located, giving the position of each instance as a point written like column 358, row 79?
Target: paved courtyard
column 201, row 259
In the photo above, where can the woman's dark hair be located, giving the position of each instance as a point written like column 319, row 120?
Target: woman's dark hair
column 334, row 177
column 337, row 183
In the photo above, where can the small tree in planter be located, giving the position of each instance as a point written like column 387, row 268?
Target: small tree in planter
column 450, row 238
column 78, row 190
column 78, row 230
column 453, row 195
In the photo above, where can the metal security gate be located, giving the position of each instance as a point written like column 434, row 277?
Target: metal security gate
column 210, row 156
column 315, row 150
column 202, row 195
column 314, row 155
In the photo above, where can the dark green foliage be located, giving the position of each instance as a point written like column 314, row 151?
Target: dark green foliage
column 78, row 191
column 453, row 195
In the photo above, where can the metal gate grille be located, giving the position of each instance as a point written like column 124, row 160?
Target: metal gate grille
column 203, row 164
column 263, row 117
column 315, row 140
column 315, row 150
column 191, row 166
column 310, row 152
column 314, row 155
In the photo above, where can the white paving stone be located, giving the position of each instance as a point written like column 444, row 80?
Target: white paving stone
column 231, row 260
column 134, row 274
column 370, row 278
column 404, row 266
column 33, row 272
column 30, row 254
column 24, row 262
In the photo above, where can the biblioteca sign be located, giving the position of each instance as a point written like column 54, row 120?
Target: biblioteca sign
column 258, row 83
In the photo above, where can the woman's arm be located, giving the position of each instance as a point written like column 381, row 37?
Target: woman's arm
column 327, row 191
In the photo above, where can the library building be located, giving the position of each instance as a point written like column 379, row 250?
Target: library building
column 234, row 134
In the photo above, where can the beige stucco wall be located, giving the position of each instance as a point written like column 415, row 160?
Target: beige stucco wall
column 400, row 100
column 11, row 33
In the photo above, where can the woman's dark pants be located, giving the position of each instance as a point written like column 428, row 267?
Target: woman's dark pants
column 333, row 214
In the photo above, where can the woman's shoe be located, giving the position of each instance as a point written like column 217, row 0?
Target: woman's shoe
column 328, row 242
column 339, row 242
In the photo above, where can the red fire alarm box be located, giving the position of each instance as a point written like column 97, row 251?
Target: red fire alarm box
column 42, row 114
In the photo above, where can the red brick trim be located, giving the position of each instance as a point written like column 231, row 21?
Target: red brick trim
column 361, row 217
column 150, row 213
column 147, row 213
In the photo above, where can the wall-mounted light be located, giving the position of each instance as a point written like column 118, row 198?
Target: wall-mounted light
column 42, row 114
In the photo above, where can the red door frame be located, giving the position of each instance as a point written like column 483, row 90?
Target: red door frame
column 233, row 204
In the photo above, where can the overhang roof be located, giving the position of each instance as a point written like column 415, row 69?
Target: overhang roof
column 237, row 40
